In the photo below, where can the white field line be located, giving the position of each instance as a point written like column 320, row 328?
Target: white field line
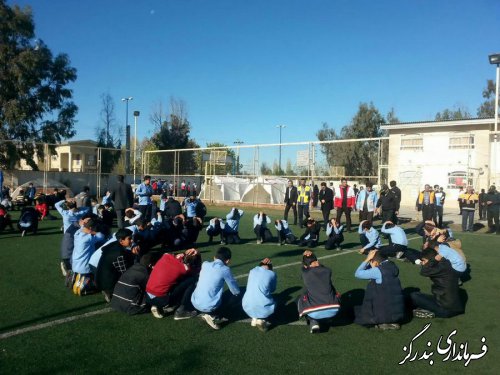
column 57, row 322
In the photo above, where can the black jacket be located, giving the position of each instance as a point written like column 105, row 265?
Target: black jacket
column 293, row 195
column 444, row 284
column 129, row 295
column 122, row 196
column 388, row 201
column 383, row 303
column 115, row 260
column 319, row 288
column 172, row 208
column 327, row 196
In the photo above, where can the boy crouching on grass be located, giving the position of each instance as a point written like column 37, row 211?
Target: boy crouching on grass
column 383, row 304
column 320, row 300
column 258, row 301
column 207, row 296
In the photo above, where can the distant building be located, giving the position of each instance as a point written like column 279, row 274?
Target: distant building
column 72, row 156
column 451, row 153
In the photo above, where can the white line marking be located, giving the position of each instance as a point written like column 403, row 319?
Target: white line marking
column 57, row 322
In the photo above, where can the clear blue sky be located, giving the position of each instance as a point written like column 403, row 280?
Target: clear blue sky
column 245, row 66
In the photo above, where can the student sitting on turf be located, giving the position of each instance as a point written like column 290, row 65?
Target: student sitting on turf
column 231, row 228
column 215, row 228
column 106, row 215
column 5, row 220
column 207, row 296
column 114, row 261
column 258, row 301
column 285, row 235
column 191, row 231
column 132, row 215
column 260, row 222
column 369, row 237
column 320, row 300
column 70, row 214
column 398, row 244
column 129, row 295
column 310, row 238
column 28, row 221
column 445, row 301
column 171, row 284
column 334, row 235
column 451, row 251
column 383, row 303
column 85, row 240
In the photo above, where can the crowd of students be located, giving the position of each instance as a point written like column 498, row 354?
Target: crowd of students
column 151, row 263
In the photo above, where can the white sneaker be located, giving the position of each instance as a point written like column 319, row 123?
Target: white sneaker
column 417, row 262
column 64, row 270
column 23, row 233
column 259, row 242
column 399, row 254
column 254, row 322
column 315, row 328
column 210, row 320
column 156, row 312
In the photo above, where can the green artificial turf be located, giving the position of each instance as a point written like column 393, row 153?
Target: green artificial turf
column 32, row 292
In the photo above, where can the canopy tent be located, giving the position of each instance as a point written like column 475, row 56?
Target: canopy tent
column 39, row 185
column 265, row 190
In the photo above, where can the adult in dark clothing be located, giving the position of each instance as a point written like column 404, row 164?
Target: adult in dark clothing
column 482, row 205
column 129, row 295
column 445, row 301
column 426, row 202
column 310, row 238
column 383, row 303
column 397, row 193
column 115, row 260
column 387, row 203
column 320, row 300
column 344, row 201
column 315, row 196
column 172, row 208
column 326, row 200
column 123, row 198
column 291, row 201
column 493, row 209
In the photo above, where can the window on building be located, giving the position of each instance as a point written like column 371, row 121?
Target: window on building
column 91, row 160
column 461, row 142
column 412, row 143
column 458, row 179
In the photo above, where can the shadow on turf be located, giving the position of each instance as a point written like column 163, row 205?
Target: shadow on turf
column 47, row 317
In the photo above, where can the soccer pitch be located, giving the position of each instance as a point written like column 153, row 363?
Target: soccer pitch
column 44, row 328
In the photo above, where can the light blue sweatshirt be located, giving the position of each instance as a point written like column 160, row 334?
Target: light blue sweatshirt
column 372, row 236
column 207, row 295
column 70, row 216
column 258, row 301
column 144, row 192
column 398, row 235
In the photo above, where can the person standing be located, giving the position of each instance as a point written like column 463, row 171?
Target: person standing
column 326, row 199
column 30, row 194
column 315, row 196
column 123, row 198
column 145, row 192
column 469, row 200
column 438, row 212
column 397, row 193
column 493, row 209
column 303, row 197
column 344, row 202
column 366, row 202
column 291, row 201
column 426, row 202
column 482, row 205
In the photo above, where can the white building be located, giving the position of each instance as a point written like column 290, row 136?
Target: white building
column 451, row 154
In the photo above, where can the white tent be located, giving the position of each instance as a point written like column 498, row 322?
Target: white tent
column 38, row 184
column 265, row 190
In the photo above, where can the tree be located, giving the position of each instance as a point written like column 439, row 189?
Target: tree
column 487, row 109
column 358, row 158
column 265, row 170
column 174, row 134
column 231, row 155
column 289, row 169
column 457, row 113
column 108, row 134
column 35, row 103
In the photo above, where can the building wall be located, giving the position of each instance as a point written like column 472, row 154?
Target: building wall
column 432, row 164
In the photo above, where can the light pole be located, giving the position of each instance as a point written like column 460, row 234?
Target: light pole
column 127, row 135
column 136, row 114
column 495, row 60
column 237, row 169
column 279, row 163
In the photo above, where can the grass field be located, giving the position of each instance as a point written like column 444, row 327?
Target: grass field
column 32, row 292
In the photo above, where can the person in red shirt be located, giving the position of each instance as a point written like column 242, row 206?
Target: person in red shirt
column 171, row 284
column 5, row 219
